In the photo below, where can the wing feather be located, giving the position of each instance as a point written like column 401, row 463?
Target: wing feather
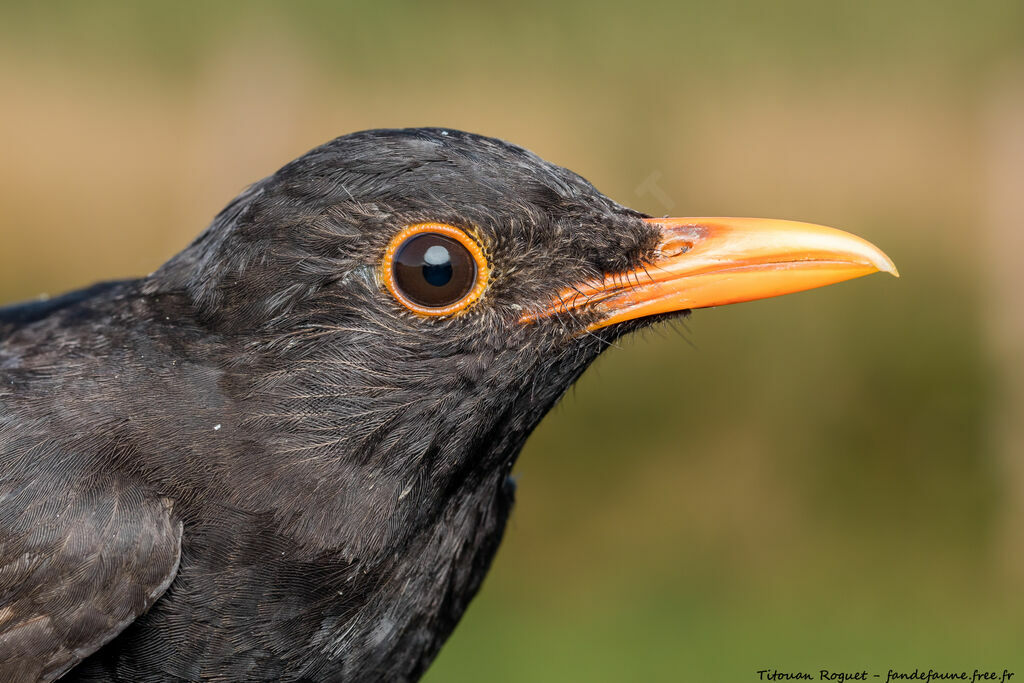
column 77, row 565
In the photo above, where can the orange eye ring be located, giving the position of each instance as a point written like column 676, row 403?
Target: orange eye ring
column 470, row 269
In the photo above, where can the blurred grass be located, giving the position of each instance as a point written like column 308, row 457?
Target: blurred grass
column 797, row 483
column 598, row 38
column 709, row 641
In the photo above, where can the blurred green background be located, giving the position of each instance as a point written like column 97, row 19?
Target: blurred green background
column 831, row 479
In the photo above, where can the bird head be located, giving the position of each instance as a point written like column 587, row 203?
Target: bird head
column 400, row 308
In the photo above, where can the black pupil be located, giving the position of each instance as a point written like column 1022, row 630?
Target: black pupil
column 437, row 266
column 434, row 270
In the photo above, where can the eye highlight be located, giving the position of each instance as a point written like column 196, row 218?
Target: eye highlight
column 435, row 269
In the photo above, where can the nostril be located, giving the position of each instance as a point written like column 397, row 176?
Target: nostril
column 674, row 248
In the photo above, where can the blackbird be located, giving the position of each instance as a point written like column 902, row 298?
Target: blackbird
column 285, row 454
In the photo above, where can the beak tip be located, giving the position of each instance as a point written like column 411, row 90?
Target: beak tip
column 887, row 266
column 859, row 249
column 881, row 261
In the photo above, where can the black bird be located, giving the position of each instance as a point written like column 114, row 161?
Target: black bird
column 285, row 454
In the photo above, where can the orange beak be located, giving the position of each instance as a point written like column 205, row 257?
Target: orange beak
column 703, row 262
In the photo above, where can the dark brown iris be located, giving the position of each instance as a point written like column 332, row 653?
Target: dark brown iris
column 433, row 270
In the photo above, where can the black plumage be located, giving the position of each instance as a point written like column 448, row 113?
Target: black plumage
column 258, row 464
column 330, row 469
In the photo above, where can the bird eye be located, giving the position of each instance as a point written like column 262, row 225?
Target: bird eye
column 435, row 269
